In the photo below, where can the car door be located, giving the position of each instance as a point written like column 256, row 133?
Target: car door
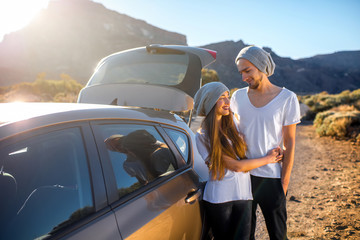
column 52, row 186
column 152, row 187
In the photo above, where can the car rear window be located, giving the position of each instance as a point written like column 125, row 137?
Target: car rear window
column 181, row 142
column 143, row 68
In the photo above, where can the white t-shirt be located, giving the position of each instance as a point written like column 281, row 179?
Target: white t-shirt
column 234, row 186
column 262, row 126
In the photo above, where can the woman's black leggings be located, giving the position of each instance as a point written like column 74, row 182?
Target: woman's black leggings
column 229, row 220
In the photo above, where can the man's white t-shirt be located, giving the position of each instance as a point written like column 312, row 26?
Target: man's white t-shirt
column 262, row 127
column 234, row 186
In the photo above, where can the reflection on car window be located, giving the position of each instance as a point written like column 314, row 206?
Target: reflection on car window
column 162, row 69
column 44, row 184
column 138, row 154
column 180, row 140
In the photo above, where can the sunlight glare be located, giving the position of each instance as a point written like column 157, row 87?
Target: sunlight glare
column 16, row 14
column 23, row 150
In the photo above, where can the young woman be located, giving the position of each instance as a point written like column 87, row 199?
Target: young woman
column 227, row 194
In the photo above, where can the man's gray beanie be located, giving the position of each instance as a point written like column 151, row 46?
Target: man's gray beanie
column 259, row 57
column 207, row 96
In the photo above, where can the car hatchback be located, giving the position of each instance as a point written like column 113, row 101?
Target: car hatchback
column 157, row 76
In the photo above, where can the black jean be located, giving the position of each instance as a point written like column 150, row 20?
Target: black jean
column 229, row 220
column 268, row 193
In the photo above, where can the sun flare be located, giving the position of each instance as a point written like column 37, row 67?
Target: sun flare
column 16, row 14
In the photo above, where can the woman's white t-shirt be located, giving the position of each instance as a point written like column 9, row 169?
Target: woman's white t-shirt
column 234, row 186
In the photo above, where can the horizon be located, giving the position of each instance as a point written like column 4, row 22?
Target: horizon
column 296, row 29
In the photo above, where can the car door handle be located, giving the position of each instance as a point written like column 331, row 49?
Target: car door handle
column 193, row 196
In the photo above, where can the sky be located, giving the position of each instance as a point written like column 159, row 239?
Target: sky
column 291, row 28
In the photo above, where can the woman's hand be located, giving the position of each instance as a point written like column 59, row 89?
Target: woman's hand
column 246, row 165
column 275, row 155
column 207, row 163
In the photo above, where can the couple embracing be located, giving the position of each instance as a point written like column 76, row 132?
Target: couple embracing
column 248, row 143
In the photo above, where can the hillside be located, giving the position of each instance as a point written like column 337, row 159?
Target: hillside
column 71, row 36
column 332, row 72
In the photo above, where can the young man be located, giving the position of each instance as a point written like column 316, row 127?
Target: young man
column 267, row 115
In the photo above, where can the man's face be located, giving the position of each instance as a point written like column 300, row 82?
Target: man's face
column 250, row 74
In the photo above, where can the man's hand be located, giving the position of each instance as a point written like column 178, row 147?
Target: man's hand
column 285, row 187
column 289, row 133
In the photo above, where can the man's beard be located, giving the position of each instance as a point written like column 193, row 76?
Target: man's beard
column 255, row 84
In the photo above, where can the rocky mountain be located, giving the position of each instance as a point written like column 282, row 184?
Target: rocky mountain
column 331, row 72
column 71, row 36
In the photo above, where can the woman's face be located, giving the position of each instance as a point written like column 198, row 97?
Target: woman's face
column 223, row 105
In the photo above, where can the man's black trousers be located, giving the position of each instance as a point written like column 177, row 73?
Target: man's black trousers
column 268, row 193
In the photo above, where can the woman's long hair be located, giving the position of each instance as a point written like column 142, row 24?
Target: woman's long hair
column 224, row 140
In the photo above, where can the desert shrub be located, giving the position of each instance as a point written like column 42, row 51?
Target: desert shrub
column 323, row 93
column 343, row 98
column 44, row 90
column 65, row 97
column 3, row 90
column 22, row 88
column 53, row 87
column 208, row 75
column 322, row 106
column 323, row 101
column 330, row 101
column 355, row 95
column 320, row 117
column 340, row 122
column 356, row 104
column 309, row 101
column 334, row 127
column 344, row 108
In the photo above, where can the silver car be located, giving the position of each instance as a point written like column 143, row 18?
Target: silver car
column 98, row 171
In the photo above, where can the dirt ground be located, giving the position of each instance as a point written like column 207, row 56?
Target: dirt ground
column 323, row 200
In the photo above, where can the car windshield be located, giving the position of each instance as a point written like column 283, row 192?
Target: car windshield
column 164, row 69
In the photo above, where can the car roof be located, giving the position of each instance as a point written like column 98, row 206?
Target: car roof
column 21, row 117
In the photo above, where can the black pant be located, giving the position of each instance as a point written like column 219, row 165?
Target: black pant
column 269, row 194
column 229, row 220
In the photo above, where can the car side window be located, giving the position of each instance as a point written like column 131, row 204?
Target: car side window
column 45, row 184
column 138, row 154
column 181, row 142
